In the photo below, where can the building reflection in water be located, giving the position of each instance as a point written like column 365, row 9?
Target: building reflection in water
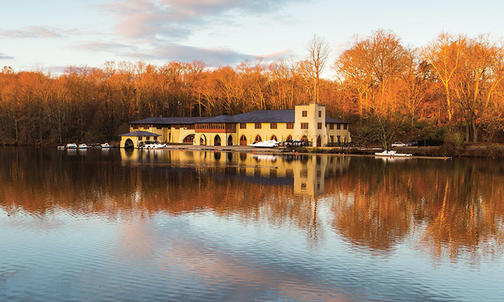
column 305, row 173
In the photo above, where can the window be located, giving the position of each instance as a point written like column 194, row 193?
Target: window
column 319, row 125
column 273, row 125
column 304, row 125
column 331, row 126
column 148, row 138
column 305, row 113
column 290, row 125
column 258, row 125
column 320, row 114
column 338, row 126
column 158, row 127
column 345, row 126
column 135, row 126
column 243, row 126
column 332, row 139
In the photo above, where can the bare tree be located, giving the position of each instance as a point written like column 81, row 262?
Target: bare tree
column 444, row 56
column 319, row 52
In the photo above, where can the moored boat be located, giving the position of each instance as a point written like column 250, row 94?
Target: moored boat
column 83, row 146
column 71, row 146
column 265, row 144
column 392, row 153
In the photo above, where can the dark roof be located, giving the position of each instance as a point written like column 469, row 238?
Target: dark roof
column 256, row 116
column 330, row 120
column 219, row 119
column 140, row 133
column 168, row 120
column 266, row 116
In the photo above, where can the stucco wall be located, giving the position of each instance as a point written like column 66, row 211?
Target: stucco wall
column 265, row 132
column 312, row 119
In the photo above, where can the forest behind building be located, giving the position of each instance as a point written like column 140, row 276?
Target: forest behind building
column 451, row 89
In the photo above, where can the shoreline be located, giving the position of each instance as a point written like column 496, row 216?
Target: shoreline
column 482, row 150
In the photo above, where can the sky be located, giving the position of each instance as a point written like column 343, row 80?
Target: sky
column 51, row 35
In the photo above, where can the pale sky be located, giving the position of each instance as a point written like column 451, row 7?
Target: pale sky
column 52, row 34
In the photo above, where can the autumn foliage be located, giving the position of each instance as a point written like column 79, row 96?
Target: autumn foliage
column 453, row 87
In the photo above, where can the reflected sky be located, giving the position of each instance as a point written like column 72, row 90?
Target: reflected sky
column 172, row 225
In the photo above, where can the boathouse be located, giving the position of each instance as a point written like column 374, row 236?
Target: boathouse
column 305, row 122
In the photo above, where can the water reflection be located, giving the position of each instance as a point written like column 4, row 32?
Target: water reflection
column 305, row 173
column 449, row 207
column 266, row 226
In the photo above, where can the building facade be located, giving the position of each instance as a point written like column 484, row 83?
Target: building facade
column 305, row 122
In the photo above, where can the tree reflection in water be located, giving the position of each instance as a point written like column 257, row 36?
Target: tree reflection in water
column 447, row 207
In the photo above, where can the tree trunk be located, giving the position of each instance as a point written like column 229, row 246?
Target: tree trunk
column 475, row 131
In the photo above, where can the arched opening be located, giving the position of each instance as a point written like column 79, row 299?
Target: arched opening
column 243, row 156
column 202, row 140
column 243, row 140
column 289, row 138
column 274, row 138
column 217, row 141
column 128, row 144
column 189, row 139
column 258, row 139
column 319, row 141
column 230, row 141
column 304, row 138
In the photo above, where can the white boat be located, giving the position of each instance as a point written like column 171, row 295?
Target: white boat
column 71, row 146
column 159, row 146
column 61, row 147
column 392, row 153
column 265, row 144
column 153, row 146
column 83, row 146
column 105, row 146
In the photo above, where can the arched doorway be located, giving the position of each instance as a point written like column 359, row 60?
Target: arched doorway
column 202, row 140
column 304, row 138
column 189, row 139
column 274, row 138
column 230, row 141
column 258, row 139
column 243, row 140
column 319, row 141
column 128, row 144
column 217, row 141
column 289, row 138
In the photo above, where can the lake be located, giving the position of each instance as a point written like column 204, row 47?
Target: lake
column 166, row 225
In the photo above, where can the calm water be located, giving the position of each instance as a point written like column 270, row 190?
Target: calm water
column 189, row 226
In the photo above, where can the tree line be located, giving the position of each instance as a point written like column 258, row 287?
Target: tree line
column 450, row 90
